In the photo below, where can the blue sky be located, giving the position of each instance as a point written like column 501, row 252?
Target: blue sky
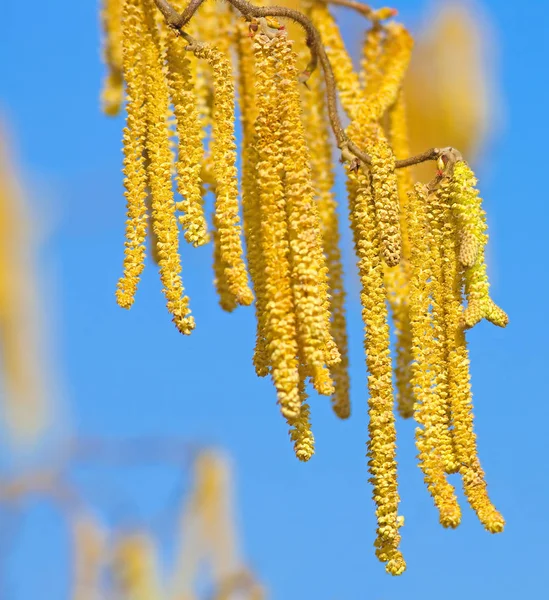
column 307, row 529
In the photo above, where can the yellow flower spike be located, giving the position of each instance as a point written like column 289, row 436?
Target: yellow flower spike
column 190, row 152
column 318, row 140
column 347, row 80
column 113, row 87
column 247, row 83
column 309, row 272
column 279, row 322
column 372, row 52
column 213, row 29
column 227, row 300
column 300, row 432
column 466, row 206
column 223, row 152
column 386, row 199
column 435, row 235
column 464, row 438
column 160, row 177
column 135, row 567
column 396, row 54
column 382, row 441
column 135, row 180
column 429, row 376
column 397, row 278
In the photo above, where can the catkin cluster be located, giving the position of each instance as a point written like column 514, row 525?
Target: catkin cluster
column 420, row 248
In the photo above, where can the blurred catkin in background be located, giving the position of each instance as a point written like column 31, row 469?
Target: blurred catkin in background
column 450, row 88
column 25, row 379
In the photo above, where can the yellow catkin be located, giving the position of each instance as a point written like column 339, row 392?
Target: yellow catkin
column 308, row 265
column 467, row 208
column 223, row 153
column 372, row 48
column 135, row 567
column 397, row 278
column 135, row 180
column 472, row 237
column 382, row 441
column 464, row 438
column 26, row 374
column 366, row 131
column 113, row 86
column 250, row 198
column 428, row 373
column 227, row 299
column 347, row 80
column 386, row 199
column 213, row 28
column 393, row 63
column 300, row 430
column 88, row 549
column 160, row 176
column 279, row 320
column 190, row 154
column 441, row 432
column 449, row 85
column 319, row 142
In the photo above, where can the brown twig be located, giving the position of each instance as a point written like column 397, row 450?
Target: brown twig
column 359, row 7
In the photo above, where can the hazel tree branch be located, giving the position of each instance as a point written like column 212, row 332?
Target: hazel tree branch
column 359, row 7
column 178, row 21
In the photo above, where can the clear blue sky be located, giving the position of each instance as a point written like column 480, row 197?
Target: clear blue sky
column 307, row 529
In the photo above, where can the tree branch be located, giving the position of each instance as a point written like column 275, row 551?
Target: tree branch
column 359, row 7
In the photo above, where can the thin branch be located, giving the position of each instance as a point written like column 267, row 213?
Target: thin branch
column 431, row 154
column 173, row 18
column 359, row 7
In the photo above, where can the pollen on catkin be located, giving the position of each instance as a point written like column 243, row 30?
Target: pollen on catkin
column 308, row 264
column 397, row 279
column 247, row 85
column 382, row 441
column 429, row 376
column 318, row 140
column 393, row 63
column 223, row 154
column 112, row 96
column 348, row 82
column 190, row 151
column 160, row 177
column 463, row 436
column 279, row 322
column 466, row 205
column 135, row 178
column 372, row 48
column 386, row 199
column 300, row 427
